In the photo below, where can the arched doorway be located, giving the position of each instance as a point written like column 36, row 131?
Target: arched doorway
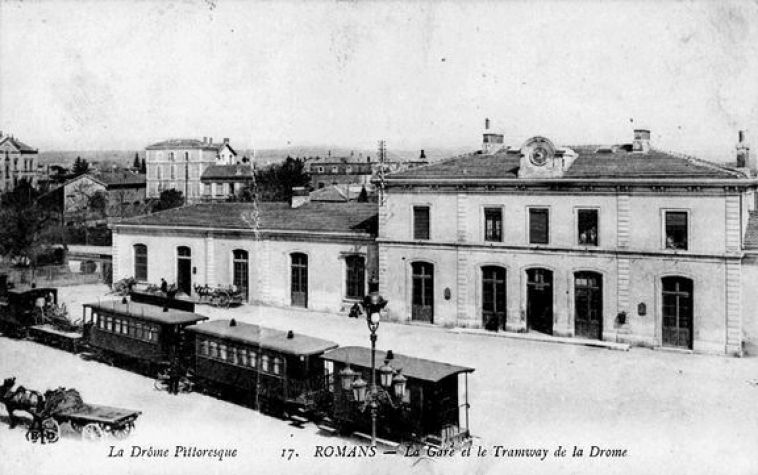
column 677, row 312
column 588, row 305
column 493, row 298
column 184, row 269
column 240, row 271
column 422, row 298
column 539, row 300
column 299, row 280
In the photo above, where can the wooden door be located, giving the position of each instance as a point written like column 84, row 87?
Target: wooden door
column 184, row 270
column 493, row 298
column 241, row 269
column 677, row 312
column 422, row 308
column 539, row 300
column 299, row 280
column 588, row 305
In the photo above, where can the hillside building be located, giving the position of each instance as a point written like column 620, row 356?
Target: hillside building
column 18, row 161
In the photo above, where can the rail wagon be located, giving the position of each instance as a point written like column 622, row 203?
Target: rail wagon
column 277, row 372
column 138, row 333
column 23, row 306
column 433, row 408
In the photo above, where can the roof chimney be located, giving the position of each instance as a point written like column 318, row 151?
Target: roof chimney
column 210, row 140
column 205, row 139
column 422, row 156
column 743, row 152
column 491, row 142
column 226, row 139
column 641, row 141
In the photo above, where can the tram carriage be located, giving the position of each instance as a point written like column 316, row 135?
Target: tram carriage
column 433, row 406
column 138, row 333
column 277, row 372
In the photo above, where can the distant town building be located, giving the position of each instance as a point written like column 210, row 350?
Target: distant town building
column 17, row 161
column 354, row 169
column 124, row 193
column 181, row 164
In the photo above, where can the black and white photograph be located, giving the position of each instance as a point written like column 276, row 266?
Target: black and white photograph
column 378, row 237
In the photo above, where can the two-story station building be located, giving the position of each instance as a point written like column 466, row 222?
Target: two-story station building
column 621, row 243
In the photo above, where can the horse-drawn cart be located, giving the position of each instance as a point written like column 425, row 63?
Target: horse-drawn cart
column 92, row 421
column 220, row 296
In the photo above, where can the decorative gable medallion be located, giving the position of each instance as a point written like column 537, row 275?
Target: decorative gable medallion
column 541, row 159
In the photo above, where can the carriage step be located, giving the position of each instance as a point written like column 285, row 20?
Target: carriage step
column 298, row 419
column 329, row 430
column 386, row 444
column 433, row 440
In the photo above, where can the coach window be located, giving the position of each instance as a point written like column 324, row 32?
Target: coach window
column 264, row 363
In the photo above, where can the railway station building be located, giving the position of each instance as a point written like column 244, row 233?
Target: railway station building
column 622, row 243
column 319, row 256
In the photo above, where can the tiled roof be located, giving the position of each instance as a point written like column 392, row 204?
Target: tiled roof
column 227, row 172
column 751, row 234
column 589, row 163
column 418, row 368
column 123, row 179
column 335, row 193
column 17, row 144
column 184, row 144
column 350, row 217
column 266, row 338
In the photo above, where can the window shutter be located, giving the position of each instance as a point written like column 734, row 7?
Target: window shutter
column 420, row 222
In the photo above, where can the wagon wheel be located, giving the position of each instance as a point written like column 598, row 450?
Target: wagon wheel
column 92, row 432
column 51, row 431
column 33, row 435
column 161, row 381
column 123, row 431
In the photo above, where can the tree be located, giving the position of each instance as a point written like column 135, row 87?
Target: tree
column 169, row 199
column 143, row 168
column 80, row 166
column 137, row 164
column 25, row 233
column 363, row 197
column 275, row 183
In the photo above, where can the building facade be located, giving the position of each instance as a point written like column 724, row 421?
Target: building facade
column 621, row 243
column 354, row 170
column 319, row 256
column 179, row 164
column 18, row 161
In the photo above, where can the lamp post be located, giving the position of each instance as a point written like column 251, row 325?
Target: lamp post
column 368, row 394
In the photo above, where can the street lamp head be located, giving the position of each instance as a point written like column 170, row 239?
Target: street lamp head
column 359, row 389
column 398, row 384
column 347, row 376
column 385, row 374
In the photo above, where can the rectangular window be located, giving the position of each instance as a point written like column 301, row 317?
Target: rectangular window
column 356, row 271
column 264, row 363
column 252, row 358
column 587, row 228
column 539, row 231
column 676, row 229
column 421, row 222
column 242, row 355
column 204, row 347
column 222, row 351
column 493, row 224
column 232, row 355
column 277, row 366
column 213, row 349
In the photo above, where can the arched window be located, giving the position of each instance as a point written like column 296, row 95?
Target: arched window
column 299, row 279
column 422, row 297
column 140, row 262
column 355, row 284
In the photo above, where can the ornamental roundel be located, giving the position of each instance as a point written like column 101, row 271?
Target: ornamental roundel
column 538, row 150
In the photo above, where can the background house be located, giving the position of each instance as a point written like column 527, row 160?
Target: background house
column 17, row 161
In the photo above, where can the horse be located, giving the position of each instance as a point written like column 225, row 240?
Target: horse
column 20, row 399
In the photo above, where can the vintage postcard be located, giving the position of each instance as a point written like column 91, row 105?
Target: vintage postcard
column 324, row 237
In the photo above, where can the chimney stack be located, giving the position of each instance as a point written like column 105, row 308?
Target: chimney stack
column 210, row 140
column 422, row 156
column 491, row 142
column 743, row 152
column 205, row 140
column 226, row 140
column 641, row 141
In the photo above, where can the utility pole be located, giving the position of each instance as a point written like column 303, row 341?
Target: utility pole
column 382, row 157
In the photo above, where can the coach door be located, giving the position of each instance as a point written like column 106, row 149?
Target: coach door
column 588, row 305
column 299, row 280
column 677, row 312
column 184, row 269
column 493, row 298
column 422, row 309
column 539, row 300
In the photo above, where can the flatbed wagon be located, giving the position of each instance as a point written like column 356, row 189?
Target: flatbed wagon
column 92, row 421
column 50, row 335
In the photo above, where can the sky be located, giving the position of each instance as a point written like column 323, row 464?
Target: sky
column 117, row 74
